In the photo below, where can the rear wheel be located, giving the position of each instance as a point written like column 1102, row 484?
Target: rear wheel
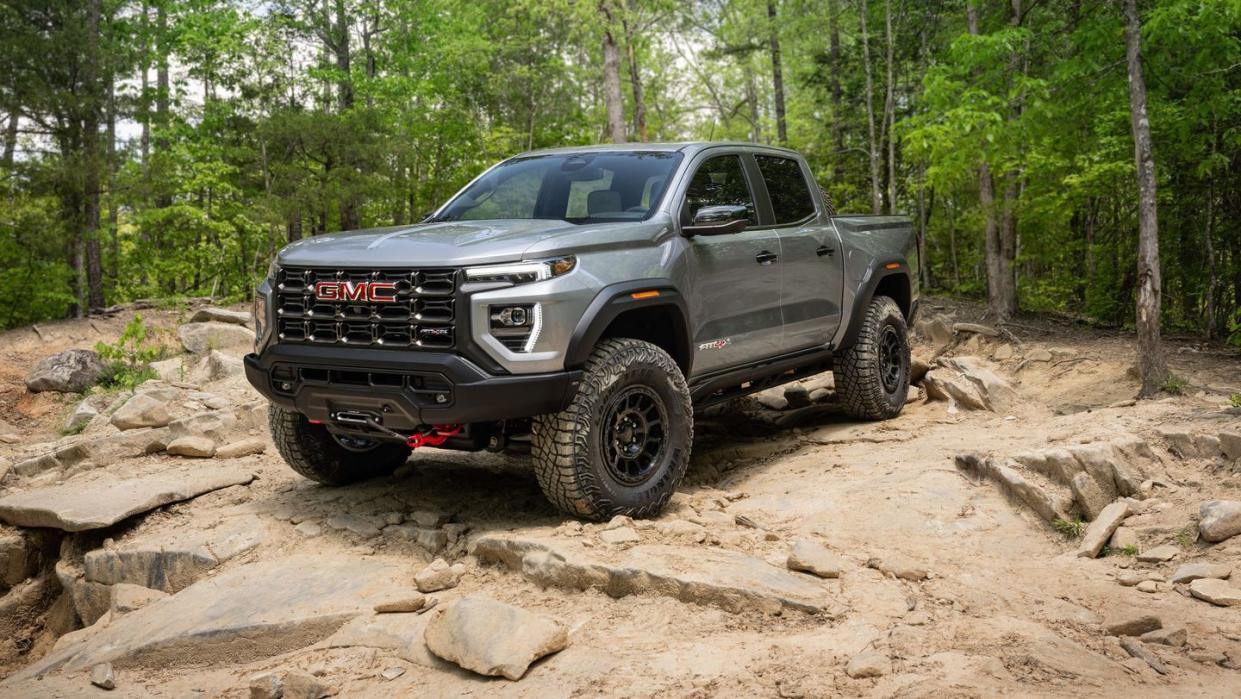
column 623, row 444
column 872, row 376
column 321, row 456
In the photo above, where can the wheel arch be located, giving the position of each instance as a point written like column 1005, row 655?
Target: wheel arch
column 883, row 278
column 645, row 309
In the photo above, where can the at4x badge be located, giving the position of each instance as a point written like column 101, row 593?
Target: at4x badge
column 715, row 344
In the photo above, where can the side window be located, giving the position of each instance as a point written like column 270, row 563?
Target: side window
column 790, row 195
column 719, row 181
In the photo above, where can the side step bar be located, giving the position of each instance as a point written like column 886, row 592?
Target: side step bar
column 734, row 383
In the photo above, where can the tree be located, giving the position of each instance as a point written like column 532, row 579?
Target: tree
column 777, row 73
column 876, row 193
column 1151, row 363
column 612, row 96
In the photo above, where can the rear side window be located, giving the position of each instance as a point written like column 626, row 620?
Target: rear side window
column 790, row 195
column 719, row 181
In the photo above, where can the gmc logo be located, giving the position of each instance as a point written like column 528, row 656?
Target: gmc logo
column 377, row 292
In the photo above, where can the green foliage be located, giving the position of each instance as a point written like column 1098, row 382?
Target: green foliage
column 1070, row 529
column 1174, row 385
column 128, row 360
column 1126, row 550
column 1235, row 400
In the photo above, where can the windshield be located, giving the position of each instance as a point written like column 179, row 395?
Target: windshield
column 578, row 188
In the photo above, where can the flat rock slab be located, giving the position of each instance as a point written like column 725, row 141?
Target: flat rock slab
column 702, row 575
column 254, row 611
column 174, row 560
column 101, row 501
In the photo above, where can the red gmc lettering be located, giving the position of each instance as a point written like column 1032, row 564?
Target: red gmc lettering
column 380, row 292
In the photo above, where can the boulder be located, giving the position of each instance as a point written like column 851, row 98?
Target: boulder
column 365, row 527
column 299, row 685
column 199, row 338
column 493, row 638
column 146, row 409
column 18, row 559
column 624, row 535
column 975, row 329
column 1135, row 648
column 71, row 371
column 797, row 395
column 1123, row 538
column 411, row 602
column 1102, row 528
column 267, row 686
column 193, row 446
column 899, row 566
column 812, row 557
column 1089, row 495
column 94, row 503
column 1216, row 591
column 103, row 677
column 439, row 576
column 1174, row 636
column 918, row 367
column 209, row 314
column 1219, row 520
column 969, row 383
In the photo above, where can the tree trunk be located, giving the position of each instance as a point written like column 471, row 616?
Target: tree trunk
column 838, row 132
column 162, row 93
column 114, row 241
column 1209, row 242
column 889, row 106
column 751, row 99
column 1151, row 362
column 777, row 74
column 344, row 85
column 144, row 73
column 635, row 81
column 876, row 194
column 93, row 160
column 10, row 136
column 613, row 100
column 996, row 305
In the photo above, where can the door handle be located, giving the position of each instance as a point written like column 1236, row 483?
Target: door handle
column 825, row 250
column 765, row 257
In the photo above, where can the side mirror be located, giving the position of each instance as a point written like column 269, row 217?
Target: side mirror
column 718, row 220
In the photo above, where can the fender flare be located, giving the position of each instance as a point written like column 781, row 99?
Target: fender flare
column 615, row 299
column 878, row 270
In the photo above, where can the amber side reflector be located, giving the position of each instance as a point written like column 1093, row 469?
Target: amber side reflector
column 892, row 265
column 644, row 294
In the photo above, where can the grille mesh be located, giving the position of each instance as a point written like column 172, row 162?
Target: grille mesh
column 421, row 316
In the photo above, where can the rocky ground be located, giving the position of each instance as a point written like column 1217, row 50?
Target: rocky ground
column 1024, row 527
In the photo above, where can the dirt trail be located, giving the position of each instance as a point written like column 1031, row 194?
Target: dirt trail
column 1005, row 607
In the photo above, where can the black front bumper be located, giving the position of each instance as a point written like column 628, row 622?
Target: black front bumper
column 406, row 389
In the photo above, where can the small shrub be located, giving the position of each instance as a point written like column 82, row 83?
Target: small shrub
column 1187, row 536
column 1174, row 385
column 1127, row 550
column 1235, row 400
column 129, row 359
column 1071, row 529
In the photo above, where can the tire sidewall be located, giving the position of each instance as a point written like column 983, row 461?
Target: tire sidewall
column 656, row 489
column 892, row 318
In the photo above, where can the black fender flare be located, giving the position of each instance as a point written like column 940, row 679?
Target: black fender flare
column 878, row 270
column 615, row 299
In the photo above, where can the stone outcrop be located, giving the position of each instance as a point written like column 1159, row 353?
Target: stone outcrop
column 199, row 338
column 969, row 383
column 71, row 371
column 493, row 638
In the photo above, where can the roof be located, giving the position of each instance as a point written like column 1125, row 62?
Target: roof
column 685, row 146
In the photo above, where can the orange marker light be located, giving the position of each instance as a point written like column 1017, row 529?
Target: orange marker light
column 892, row 265
column 644, row 294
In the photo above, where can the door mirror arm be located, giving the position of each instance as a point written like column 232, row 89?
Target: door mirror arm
column 718, row 220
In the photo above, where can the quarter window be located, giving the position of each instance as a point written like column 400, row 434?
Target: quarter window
column 790, row 196
column 719, row 182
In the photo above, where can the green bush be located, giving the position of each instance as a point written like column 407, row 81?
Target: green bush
column 129, row 359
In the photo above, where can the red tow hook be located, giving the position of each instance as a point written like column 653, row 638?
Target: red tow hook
column 436, row 436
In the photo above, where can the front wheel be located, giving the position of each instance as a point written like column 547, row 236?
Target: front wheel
column 330, row 459
column 623, row 444
column 872, row 376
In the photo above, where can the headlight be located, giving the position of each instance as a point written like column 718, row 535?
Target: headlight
column 272, row 269
column 522, row 272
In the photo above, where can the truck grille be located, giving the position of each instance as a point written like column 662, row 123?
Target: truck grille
column 421, row 313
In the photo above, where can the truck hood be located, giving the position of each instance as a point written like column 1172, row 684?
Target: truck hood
column 464, row 243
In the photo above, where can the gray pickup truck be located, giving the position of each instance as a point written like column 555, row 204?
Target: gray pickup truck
column 584, row 301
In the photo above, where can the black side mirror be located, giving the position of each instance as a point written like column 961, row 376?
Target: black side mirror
column 718, row 220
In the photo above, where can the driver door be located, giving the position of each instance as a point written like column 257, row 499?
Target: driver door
column 735, row 300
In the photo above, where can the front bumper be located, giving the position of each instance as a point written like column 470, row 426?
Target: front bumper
column 407, row 390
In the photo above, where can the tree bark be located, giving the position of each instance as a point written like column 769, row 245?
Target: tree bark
column 996, row 305
column 889, row 105
column 777, row 74
column 1151, row 363
column 876, row 194
column 10, row 136
column 340, row 49
column 92, row 179
column 612, row 98
column 838, row 132
column 635, row 79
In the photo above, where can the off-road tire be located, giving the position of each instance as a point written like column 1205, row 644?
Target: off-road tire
column 568, row 446
column 311, row 450
column 859, row 370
